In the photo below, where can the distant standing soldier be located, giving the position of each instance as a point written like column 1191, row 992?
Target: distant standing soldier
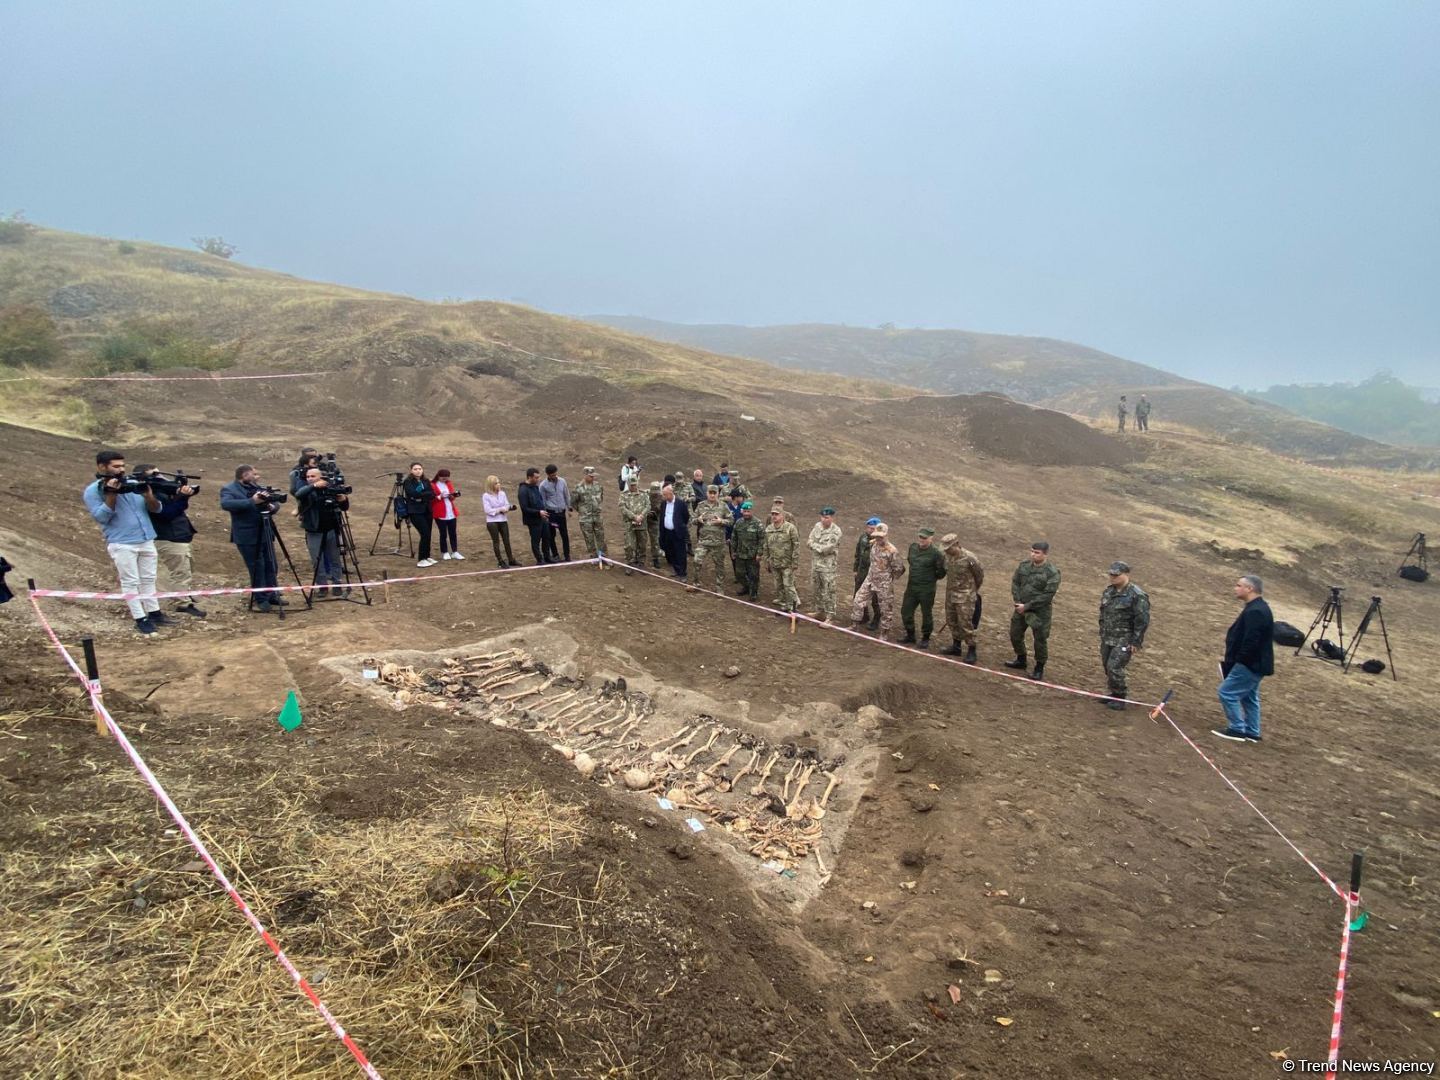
column 927, row 567
column 1124, row 618
column 963, row 578
column 886, row 565
column 652, row 523
column 587, row 500
column 862, row 567
column 782, row 555
column 1142, row 414
column 711, row 518
column 634, row 509
column 1033, row 588
column 747, row 540
column 735, row 485
column 1123, row 411
column 824, row 544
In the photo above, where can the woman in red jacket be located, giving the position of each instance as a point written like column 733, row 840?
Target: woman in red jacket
column 442, row 510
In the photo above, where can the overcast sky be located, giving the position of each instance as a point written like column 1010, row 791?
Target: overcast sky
column 1236, row 191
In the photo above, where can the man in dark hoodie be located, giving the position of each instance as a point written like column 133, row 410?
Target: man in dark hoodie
column 1249, row 657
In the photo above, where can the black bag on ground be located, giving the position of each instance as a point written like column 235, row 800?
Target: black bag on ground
column 1327, row 649
column 1414, row 573
column 1373, row 667
column 1286, row 635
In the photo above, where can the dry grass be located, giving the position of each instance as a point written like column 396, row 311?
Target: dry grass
column 467, row 942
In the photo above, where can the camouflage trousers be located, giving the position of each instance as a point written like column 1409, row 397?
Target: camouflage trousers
column 634, row 543
column 874, row 604
column 785, row 595
column 960, row 616
column 1115, row 658
column 882, row 592
column 1039, row 627
column 747, row 573
column 653, row 528
column 594, row 534
column 822, row 579
column 710, row 555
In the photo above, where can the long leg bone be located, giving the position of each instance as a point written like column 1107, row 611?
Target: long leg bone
column 721, row 761
column 760, row 784
column 789, row 779
column 668, row 738
column 834, row 779
column 551, row 702
column 703, row 749
column 749, row 767
column 792, row 810
column 526, row 693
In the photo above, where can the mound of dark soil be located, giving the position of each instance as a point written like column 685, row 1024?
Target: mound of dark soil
column 1022, row 433
column 577, row 392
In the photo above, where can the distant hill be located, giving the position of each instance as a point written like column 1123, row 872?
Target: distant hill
column 1382, row 407
column 1042, row 371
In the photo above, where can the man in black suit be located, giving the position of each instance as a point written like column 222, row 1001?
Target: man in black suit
column 536, row 518
column 252, row 531
column 674, row 530
column 1249, row 657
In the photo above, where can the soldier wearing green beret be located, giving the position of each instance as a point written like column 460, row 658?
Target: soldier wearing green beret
column 747, row 539
column 927, row 567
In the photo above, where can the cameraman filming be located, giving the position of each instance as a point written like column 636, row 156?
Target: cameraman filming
column 251, row 509
column 320, row 509
column 173, row 533
column 309, row 458
column 122, row 506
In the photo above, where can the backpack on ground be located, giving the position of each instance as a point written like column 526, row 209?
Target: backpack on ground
column 1287, row 636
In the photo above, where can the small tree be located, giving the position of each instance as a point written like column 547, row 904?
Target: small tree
column 15, row 228
column 27, row 336
column 215, row 245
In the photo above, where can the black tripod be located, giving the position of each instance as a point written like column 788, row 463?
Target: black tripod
column 345, row 544
column 1373, row 611
column 395, row 499
column 1330, row 610
column 267, row 541
column 1418, row 570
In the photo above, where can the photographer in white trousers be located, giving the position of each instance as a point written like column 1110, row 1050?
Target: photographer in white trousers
column 122, row 506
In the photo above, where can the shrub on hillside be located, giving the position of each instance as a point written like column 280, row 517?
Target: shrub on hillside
column 157, row 344
column 215, row 245
column 15, row 228
column 80, row 417
column 27, row 336
column 125, row 248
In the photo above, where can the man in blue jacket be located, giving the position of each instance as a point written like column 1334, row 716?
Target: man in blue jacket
column 124, row 520
column 251, row 530
column 1249, row 657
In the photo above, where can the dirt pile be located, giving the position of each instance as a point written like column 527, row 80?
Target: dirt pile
column 569, row 393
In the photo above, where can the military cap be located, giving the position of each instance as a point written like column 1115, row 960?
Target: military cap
column 1040, row 545
column 655, row 484
column 590, row 469
column 747, row 505
column 950, row 540
column 873, row 521
column 882, row 529
column 712, row 489
column 827, row 511
column 777, row 499
column 926, row 532
column 1119, row 566
column 776, row 510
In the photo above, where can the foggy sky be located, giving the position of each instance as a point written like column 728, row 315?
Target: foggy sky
column 1237, row 192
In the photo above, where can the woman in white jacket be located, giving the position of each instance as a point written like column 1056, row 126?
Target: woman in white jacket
column 497, row 505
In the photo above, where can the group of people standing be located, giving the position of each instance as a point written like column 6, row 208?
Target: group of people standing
column 1142, row 413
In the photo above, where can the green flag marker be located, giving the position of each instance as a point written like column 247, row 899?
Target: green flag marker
column 290, row 713
column 1359, row 922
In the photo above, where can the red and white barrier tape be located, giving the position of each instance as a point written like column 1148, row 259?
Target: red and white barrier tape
column 1352, row 901
column 162, row 378
column 98, row 704
column 72, row 594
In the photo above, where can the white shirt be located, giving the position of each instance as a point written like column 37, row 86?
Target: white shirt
column 628, row 473
column 670, row 514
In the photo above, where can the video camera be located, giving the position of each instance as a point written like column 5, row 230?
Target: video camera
column 272, row 496
column 129, row 485
column 169, row 484
column 334, row 478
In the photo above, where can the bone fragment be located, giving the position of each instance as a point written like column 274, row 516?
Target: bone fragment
column 714, row 735
column 789, row 779
column 760, row 784
column 790, row 811
column 721, row 761
column 667, row 738
column 749, row 767
column 834, row 779
column 526, row 693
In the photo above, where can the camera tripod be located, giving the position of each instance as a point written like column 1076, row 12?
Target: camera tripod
column 345, row 544
column 1331, row 610
column 395, row 499
column 1373, row 611
column 1418, row 570
column 263, row 554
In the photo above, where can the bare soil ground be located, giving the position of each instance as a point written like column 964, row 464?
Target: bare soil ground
column 1078, row 873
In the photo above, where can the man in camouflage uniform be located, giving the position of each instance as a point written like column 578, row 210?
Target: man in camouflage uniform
column 652, row 524
column 963, row 578
column 1142, row 414
column 587, row 500
column 862, row 567
column 735, row 485
column 1124, row 618
column 782, row 555
column 747, row 540
column 927, row 567
column 824, row 545
column 711, row 516
column 885, row 566
column 1122, row 412
column 1033, row 588
column 634, row 510
column 778, row 503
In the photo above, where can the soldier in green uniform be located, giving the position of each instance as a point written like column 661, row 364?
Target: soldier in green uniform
column 735, row 485
column 824, row 545
column 587, row 500
column 1124, row 618
column 927, row 567
column 782, row 555
column 963, row 578
column 778, row 503
column 652, row 523
column 747, row 540
column 711, row 516
column 1122, row 411
column 634, row 509
column 862, row 568
column 1033, row 588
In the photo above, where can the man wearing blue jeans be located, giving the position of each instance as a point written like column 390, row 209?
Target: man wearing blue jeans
column 1249, row 657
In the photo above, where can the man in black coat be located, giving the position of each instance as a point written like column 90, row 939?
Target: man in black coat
column 1249, row 657
column 674, row 530
column 252, row 515
column 535, row 517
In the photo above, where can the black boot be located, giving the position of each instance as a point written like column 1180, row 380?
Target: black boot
column 955, row 649
column 970, row 655
column 909, row 638
column 924, row 643
column 1038, row 673
column 1019, row 663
